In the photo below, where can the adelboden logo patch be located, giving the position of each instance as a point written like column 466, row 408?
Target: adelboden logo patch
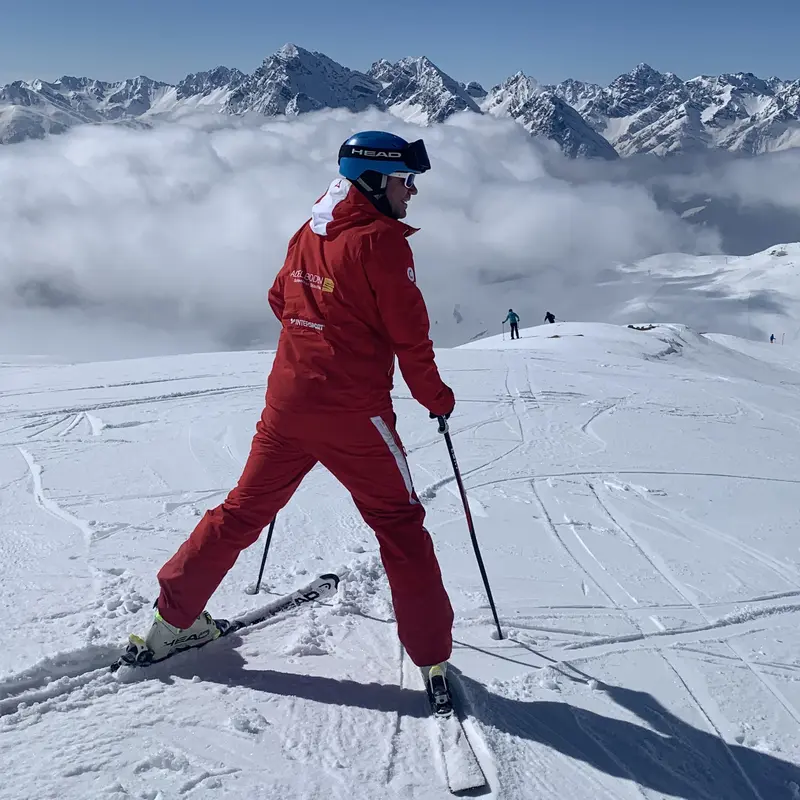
column 313, row 280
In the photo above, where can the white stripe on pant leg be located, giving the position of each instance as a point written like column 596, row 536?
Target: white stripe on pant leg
column 402, row 464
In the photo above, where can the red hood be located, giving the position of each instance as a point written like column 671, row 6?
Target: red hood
column 343, row 206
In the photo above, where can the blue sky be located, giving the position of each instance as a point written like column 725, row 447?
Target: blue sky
column 483, row 40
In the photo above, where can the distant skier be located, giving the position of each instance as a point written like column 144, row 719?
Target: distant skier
column 548, row 317
column 348, row 303
column 513, row 320
column 772, row 338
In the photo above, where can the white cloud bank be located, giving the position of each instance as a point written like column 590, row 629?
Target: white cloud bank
column 121, row 242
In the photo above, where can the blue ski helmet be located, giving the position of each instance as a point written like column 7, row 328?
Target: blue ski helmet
column 383, row 152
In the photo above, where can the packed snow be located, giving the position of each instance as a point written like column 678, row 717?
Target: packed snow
column 635, row 496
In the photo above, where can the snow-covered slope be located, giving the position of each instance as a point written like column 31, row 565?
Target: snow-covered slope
column 752, row 296
column 749, row 296
column 209, row 90
column 635, row 495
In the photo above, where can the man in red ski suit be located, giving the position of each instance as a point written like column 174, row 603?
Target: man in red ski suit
column 348, row 304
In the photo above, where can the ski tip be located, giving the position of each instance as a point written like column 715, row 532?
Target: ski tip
column 331, row 576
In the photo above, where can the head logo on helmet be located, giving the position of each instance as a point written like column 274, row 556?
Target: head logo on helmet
column 360, row 152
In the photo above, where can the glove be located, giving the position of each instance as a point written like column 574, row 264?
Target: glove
column 442, row 419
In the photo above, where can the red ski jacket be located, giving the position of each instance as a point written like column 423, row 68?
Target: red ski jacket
column 348, row 302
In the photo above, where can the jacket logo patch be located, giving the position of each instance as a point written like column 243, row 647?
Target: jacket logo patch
column 313, row 280
column 411, row 275
column 304, row 323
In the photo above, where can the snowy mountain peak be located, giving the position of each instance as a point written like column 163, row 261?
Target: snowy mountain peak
column 546, row 114
column 577, row 93
column 637, row 89
column 418, row 91
column 382, row 70
column 522, row 84
column 70, row 83
column 475, row 90
column 543, row 112
column 644, row 73
column 507, row 98
column 39, row 108
column 290, row 50
column 203, row 83
column 294, row 79
column 740, row 81
column 420, row 63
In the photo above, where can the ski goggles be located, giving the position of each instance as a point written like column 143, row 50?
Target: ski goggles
column 408, row 178
column 415, row 156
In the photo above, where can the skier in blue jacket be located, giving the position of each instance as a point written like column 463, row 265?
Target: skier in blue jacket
column 514, row 320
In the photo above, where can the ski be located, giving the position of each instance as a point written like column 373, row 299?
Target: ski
column 462, row 769
column 136, row 653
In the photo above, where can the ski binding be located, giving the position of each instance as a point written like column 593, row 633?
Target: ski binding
column 137, row 654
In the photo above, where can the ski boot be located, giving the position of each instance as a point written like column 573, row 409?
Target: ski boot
column 438, row 690
column 164, row 640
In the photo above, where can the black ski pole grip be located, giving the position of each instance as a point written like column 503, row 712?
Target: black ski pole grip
column 442, row 424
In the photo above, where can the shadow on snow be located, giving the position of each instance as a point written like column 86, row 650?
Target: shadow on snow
column 663, row 753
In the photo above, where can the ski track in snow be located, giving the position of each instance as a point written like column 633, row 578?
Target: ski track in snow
column 689, row 597
column 50, row 506
column 713, row 726
column 650, row 612
column 588, row 427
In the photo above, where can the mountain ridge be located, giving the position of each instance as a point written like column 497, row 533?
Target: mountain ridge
column 643, row 111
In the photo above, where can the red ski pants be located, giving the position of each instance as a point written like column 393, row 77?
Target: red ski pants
column 366, row 456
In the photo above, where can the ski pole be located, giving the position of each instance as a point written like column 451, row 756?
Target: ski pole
column 504, row 332
column 264, row 558
column 443, row 429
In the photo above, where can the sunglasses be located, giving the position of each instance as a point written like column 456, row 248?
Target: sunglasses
column 408, row 178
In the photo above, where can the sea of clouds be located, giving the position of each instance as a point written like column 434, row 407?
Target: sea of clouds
column 120, row 242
